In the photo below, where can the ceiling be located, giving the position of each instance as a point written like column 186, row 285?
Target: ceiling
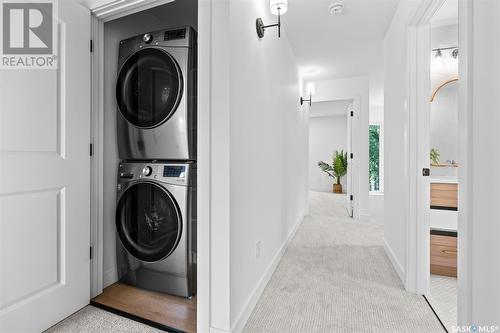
column 446, row 15
column 348, row 44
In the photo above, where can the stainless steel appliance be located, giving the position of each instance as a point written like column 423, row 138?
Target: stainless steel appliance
column 156, row 226
column 156, row 96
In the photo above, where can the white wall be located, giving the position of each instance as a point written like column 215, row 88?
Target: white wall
column 445, row 67
column 377, row 206
column 268, row 152
column 479, row 230
column 326, row 134
column 444, row 108
column 395, row 135
column 171, row 15
column 358, row 89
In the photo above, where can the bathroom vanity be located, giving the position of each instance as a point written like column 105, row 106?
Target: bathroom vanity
column 443, row 225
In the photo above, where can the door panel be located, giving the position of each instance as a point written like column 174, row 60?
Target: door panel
column 45, row 182
column 36, row 113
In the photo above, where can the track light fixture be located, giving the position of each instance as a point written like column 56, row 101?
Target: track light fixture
column 453, row 51
column 278, row 8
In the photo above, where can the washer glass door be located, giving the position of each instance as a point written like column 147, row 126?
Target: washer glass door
column 149, row 88
column 148, row 222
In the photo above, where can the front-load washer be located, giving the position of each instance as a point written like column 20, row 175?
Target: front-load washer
column 156, row 226
column 156, row 96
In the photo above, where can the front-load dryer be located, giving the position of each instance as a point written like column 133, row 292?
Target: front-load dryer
column 156, row 96
column 156, row 226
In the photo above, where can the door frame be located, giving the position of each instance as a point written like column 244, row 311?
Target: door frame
column 418, row 213
column 100, row 15
column 349, row 183
column 417, row 156
column 418, row 239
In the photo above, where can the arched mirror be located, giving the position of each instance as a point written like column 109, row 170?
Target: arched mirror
column 444, row 123
column 441, row 86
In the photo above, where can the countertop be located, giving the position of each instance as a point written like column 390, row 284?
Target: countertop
column 444, row 179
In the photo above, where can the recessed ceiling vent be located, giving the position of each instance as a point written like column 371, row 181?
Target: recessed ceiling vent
column 336, row 8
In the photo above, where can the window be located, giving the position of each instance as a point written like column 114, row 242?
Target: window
column 375, row 162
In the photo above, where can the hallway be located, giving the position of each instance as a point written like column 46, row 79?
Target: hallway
column 335, row 277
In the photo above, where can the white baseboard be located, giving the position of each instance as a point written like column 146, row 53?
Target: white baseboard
column 245, row 313
column 395, row 262
column 217, row 330
column 364, row 216
column 109, row 277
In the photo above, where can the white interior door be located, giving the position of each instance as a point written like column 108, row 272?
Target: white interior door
column 44, row 174
column 349, row 203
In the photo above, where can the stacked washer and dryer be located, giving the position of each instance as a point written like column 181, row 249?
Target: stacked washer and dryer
column 156, row 198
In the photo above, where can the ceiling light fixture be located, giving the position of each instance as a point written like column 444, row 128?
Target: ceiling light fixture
column 336, row 8
column 278, row 8
column 453, row 51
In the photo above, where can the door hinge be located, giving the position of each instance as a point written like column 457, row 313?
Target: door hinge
column 91, row 46
column 91, row 253
column 91, row 149
column 352, row 155
column 352, row 197
column 352, row 113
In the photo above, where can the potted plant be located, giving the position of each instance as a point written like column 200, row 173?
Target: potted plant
column 336, row 170
column 435, row 155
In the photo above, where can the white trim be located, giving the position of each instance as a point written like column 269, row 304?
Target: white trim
column 394, row 261
column 121, row 8
column 466, row 171
column 109, row 277
column 97, row 165
column 244, row 315
column 217, row 330
column 364, row 215
column 418, row 126
column 203, row 314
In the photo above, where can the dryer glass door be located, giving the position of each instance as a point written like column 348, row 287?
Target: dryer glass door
column 149, row 88
column 148, row 222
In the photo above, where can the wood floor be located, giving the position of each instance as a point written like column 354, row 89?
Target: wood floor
column 171, row 311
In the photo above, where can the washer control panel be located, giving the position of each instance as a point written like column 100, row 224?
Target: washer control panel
column 176, row 174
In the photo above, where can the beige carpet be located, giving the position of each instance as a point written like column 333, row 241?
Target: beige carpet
column 93, row 320
column 335, row 277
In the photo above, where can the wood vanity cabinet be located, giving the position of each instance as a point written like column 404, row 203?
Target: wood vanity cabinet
column 444, row 195
column 443, row 255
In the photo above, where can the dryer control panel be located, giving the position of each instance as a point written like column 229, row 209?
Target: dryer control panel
column 176, row 174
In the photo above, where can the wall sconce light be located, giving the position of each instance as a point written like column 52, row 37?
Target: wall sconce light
column 277, row 7
column 310, row 91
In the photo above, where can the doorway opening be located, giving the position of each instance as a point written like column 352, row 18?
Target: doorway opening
column 138, row 270
column 444, row 163
column 433, row 158
column 330, row 149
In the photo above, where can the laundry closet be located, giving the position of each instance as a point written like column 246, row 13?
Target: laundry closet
column 149, row 166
